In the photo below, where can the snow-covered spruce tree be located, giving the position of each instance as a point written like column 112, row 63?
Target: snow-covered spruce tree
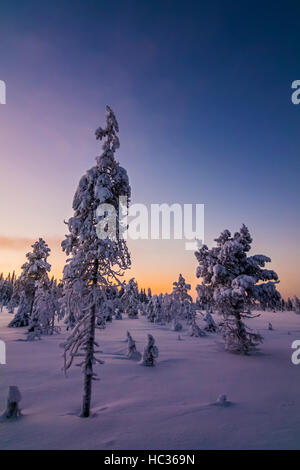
column 181, row 289
column 131, row 299
column 183, row 299
column 142, row 309
column 34, row 329
column 151, row 313
column 195, row 330
column 94, row 263
column 15, row 298
column 118, row 314
column 46, row 307
column 296, row 304
column 154, row 309
column 35, row 269
column 118, row 309
column 204, row 297
column 150, row 353
column 6, row 290
column 158, row 309
column 110, row 294
column 235, row 279
column 170, row 307
column 143, row 296
column 1, row 291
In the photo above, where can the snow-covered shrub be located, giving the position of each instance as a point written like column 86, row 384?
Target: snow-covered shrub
column 132, row 352
column 195, row 330
column 34, row 330
column 118, row 314
column 12, row 411
column 15, row 297
column 236, row 281
column 150, row 353
column 151, row 313
column 222, row 401
column 211, row 324
column 176, row 325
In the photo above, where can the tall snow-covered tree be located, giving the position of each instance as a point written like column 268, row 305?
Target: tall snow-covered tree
column 94, row 263
column 235, row 279
column 35, row 269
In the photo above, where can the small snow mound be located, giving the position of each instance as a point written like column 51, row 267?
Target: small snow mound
column 12, row 411
column 222, row 401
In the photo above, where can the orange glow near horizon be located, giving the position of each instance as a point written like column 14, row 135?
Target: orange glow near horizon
column 155, row 264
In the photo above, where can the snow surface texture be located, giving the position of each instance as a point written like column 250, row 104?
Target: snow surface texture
column 170, row 406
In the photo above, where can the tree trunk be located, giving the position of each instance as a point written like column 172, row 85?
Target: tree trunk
column 32, row 302
column 89, row 357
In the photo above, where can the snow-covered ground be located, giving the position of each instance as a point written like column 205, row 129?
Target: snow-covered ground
column 166, row 407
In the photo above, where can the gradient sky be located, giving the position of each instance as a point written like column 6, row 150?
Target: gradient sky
column 202, row 93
